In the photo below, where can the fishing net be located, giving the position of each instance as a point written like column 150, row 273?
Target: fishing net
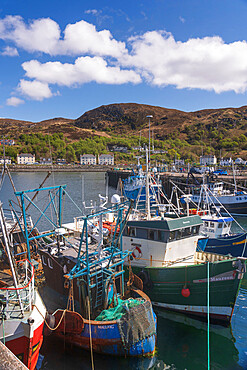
column 119, row 310
column 134, row 318
column 137, row 324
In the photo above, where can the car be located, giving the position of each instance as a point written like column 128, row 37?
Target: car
column 220, row 172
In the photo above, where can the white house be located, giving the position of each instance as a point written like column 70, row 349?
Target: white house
column 7, row 160
column 225, row 161
column 106, row 159
column 239, row 161
column 179, row 162
column 208, row 160
column 87, row 159
column 45, row 160
column 25, row 158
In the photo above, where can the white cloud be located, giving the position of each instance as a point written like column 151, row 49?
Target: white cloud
column 206, row 63
column 92, row 11
column 43, row 35
column 9, row 51
column 181, row 19
column 39, row 35
column 84, row 70
column 156, row 57
column 83, row 38
column 13, row 101
column 35, row 90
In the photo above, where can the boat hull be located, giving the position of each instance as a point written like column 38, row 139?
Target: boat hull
column 165, row 287
column 235, row 205
column 234, row 245
column 26, row 348
column 24, row 337
column 106, row 339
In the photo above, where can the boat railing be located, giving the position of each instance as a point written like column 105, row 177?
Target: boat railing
column 19, row 300
column 11, row 220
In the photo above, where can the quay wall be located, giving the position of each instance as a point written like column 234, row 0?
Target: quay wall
column 56, row 168
column 180, row 179
column 8, row 361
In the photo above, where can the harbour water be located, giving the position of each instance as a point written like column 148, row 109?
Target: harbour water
column 181, row 341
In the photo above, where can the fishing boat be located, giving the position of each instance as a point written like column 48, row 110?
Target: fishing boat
column 216, row 228
column 234, row 201
column 134, row 187
column 96, row 310
column 22, row 309
column 175, row 275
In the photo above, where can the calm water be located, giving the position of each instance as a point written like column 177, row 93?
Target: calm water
column 181, row 341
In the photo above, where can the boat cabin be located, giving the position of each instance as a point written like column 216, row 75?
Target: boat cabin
column 159, row 242
column 215, row 227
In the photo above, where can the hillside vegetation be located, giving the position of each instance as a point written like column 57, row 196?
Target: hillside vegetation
column 184, row 134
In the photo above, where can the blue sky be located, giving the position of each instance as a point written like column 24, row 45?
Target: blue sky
column 62, row 58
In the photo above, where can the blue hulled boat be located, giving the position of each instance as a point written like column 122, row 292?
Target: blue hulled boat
column 85, row 270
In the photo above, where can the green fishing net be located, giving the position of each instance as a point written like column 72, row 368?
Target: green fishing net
column 119, row 310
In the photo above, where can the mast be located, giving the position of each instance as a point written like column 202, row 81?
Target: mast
column 150, row 116
column 147, row 188
column 233, row 171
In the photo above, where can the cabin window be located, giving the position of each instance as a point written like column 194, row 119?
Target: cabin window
column 219, row 226
column 172, row 236
column 151, row 234
column 187, row 232
column 206, row 223
column 160, row 235
column 195, row 230
column 50, row 264
column 132, row 231
column 211, row 224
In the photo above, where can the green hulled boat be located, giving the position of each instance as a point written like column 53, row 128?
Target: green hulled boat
column 175, row 276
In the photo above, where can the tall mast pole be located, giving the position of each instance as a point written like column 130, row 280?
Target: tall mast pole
column 147, row 188
column 149, row 136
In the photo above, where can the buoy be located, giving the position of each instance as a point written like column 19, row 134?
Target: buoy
column 185, row 292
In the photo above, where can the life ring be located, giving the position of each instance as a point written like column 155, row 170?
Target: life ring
column 137, row 253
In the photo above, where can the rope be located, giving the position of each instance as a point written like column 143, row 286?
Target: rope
column 90, row 335
column 208, row 317
column 53, row 329
column 3, row 330
column 244, row 247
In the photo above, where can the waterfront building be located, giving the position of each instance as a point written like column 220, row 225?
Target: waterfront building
column 117, row 148
column 25, row 158
column 179, row 162
column 106, row 159
column 45, row 160
column 7, row 160
column 87, row 159
column 225, row 161
column 61, row 161
column 239, row 161
column 7, row 142
column 208, row 160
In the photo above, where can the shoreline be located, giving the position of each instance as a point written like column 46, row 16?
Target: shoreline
column 57, row 168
